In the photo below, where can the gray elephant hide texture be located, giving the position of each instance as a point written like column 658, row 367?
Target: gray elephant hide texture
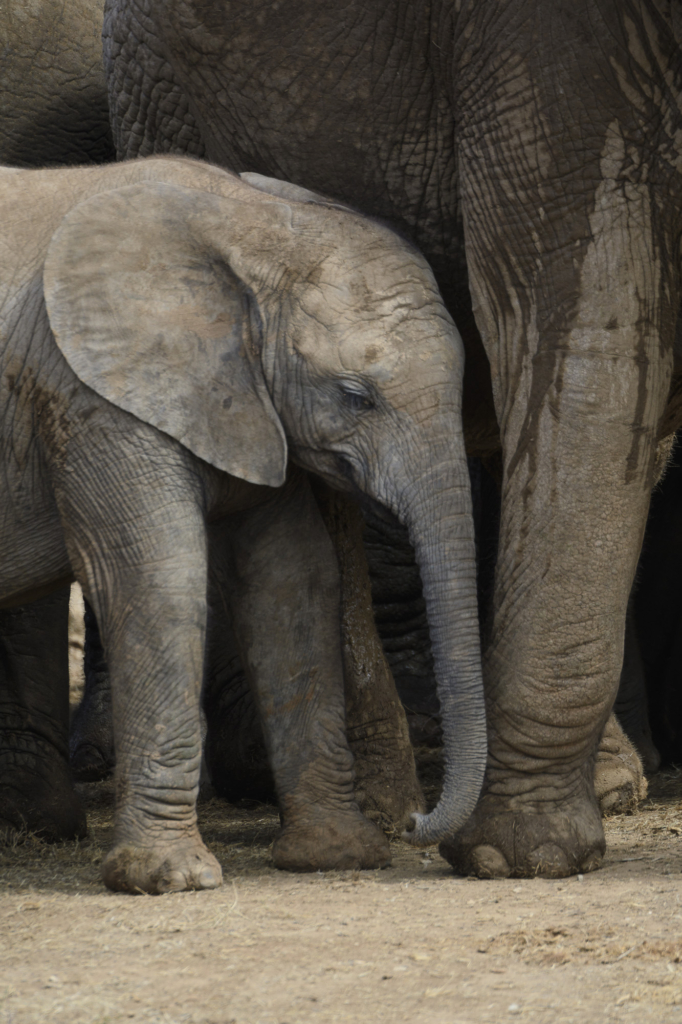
column 533, row 153
column 53, row 95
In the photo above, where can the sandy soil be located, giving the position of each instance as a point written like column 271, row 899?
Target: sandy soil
column 410, row 943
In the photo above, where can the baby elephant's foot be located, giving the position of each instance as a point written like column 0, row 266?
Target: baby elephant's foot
column 170, row 867
column 339, row 841
column 501, row 842
column 619, row 781
column 387, row 790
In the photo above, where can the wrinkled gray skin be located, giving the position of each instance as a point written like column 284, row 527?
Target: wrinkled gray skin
column 533, row 150
column 53, row 97
column 172, row 334
column 53, row 111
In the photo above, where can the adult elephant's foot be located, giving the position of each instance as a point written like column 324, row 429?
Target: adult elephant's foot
column 169, row 866
column 502, row 839
column 619, row 781
column 36, row 793
column 339, row 841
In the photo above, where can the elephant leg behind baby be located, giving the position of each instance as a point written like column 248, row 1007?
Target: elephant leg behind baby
column 386, row 785
column 36, row 794
column 656, row 617
column 91, row 735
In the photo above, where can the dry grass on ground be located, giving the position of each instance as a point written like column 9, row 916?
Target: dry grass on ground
column 411, row 943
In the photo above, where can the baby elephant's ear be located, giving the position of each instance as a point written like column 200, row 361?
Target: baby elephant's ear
column 149, row 314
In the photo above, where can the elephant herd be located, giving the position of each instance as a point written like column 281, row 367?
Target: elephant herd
column 341, row 352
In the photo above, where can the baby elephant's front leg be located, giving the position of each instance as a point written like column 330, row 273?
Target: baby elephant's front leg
column 285, row 599
column 138, row 546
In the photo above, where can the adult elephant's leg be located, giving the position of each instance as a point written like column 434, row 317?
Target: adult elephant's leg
column 148, row 109
column 619, row 782
column 626, row 748
column 400, row 615
column 91, row 739
column 286, row 609
column 663, row 537
column 551, row 671
column 575, row 292
column 658, row 608
column 632, row 706
column 386, row 785
column 235, row 752
column 36, row 793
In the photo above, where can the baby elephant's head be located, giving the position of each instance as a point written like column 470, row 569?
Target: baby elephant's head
column 259, row 320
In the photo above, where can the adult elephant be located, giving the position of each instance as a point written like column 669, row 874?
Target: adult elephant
column 53, row 97
column 535, row 150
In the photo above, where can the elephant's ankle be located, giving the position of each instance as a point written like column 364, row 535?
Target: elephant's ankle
column 147, row 816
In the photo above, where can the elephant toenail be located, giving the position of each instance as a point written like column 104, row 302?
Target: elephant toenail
column 549, row 860
column 210, row 879
column 489, row 862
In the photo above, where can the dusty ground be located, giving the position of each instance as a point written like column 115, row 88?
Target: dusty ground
column 411, row 943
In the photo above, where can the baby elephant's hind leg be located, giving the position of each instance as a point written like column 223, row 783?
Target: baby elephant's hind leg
column 285, row 600
column 36, row 794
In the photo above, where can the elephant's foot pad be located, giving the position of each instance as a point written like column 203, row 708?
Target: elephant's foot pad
column 499, row 843
column 174, row 867
column 342, row 841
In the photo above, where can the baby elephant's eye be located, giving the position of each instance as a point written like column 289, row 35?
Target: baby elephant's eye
column 356, row 400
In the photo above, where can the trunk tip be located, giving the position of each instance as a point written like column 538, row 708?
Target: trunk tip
column 423, row 833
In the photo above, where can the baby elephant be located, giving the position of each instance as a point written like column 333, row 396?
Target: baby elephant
column 173, row 335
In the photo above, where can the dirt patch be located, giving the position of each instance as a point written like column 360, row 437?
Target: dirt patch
column 410, row 943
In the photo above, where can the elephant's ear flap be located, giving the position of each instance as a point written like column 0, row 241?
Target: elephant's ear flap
column 149, row 314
